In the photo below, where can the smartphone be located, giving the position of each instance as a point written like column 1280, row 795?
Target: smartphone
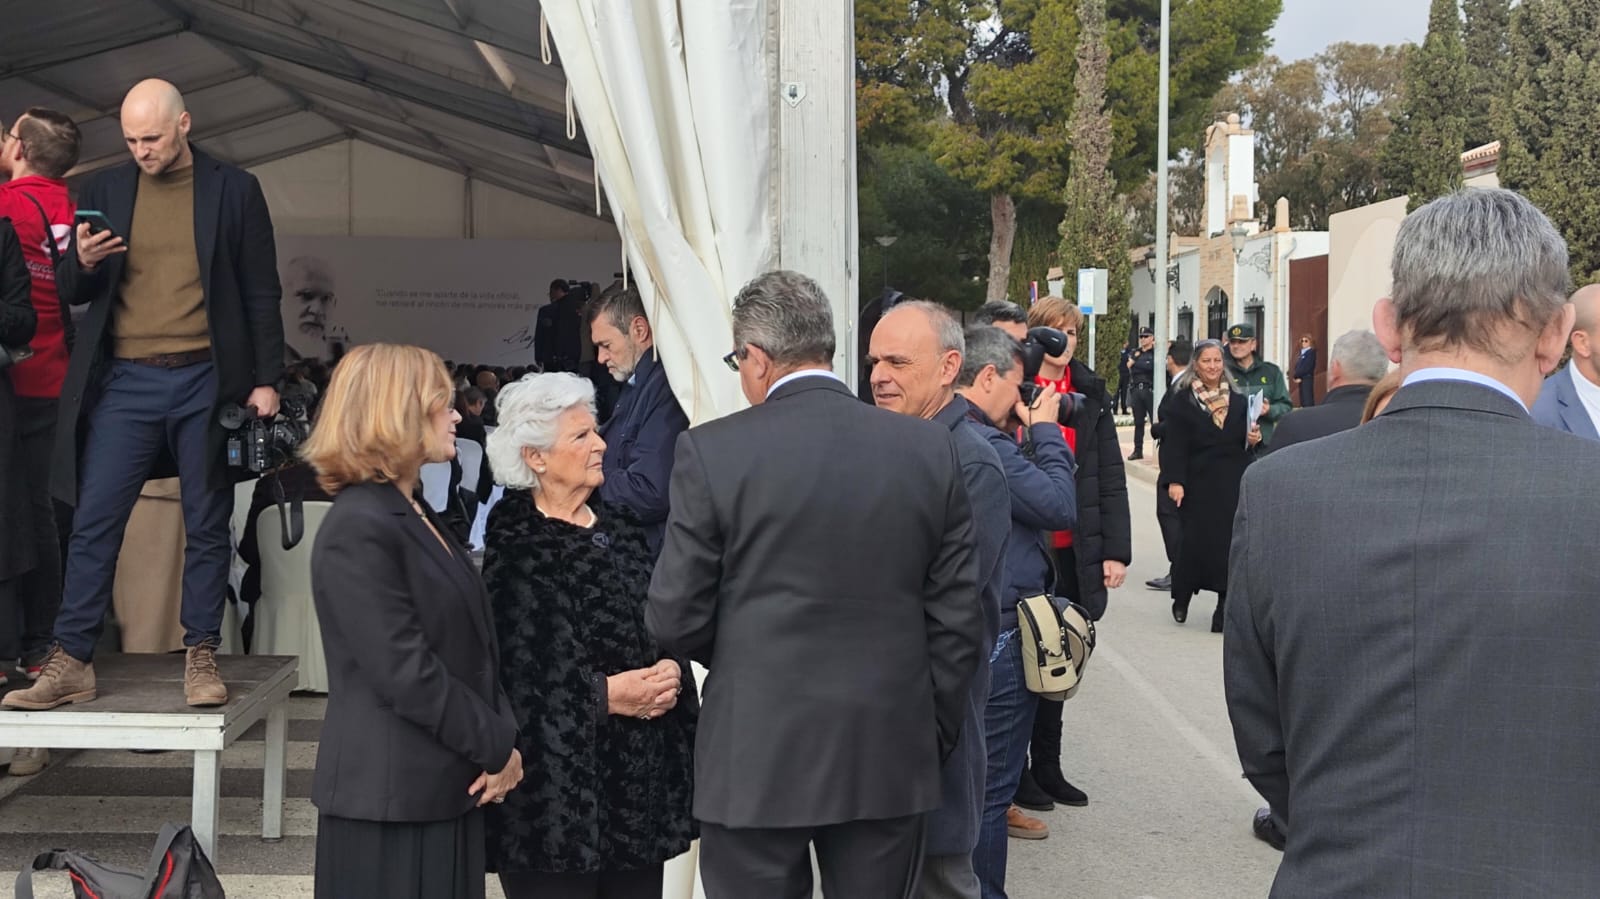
column 96, row 220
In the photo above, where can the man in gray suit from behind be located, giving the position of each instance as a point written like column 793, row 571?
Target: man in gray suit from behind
column 1412, row 641
column 1570, row 399
column 820, row 560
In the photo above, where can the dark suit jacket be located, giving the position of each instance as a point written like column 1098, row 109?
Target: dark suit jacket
column 238, row 272
column 640, row 437
column 820, row 560
column 953, row 827
column 1560, row 407
column 1412, row 652
column 415, row 709
column 1340, row 411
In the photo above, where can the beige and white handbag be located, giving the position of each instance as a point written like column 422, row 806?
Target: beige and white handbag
column 1057, row 641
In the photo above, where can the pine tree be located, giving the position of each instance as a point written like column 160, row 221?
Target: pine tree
column 1094, row 231
column 1551, row 152
column 1423, row 156
column 1486, row 40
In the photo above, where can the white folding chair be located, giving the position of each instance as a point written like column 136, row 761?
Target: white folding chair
column 436, row 485
column 470, row 454
column 286, row 618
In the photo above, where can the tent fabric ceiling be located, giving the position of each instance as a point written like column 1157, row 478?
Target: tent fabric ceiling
column 454, row 83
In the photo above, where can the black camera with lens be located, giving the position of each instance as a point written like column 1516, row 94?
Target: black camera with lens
column 1039, row 343
column 579, row 292
column 263, row 444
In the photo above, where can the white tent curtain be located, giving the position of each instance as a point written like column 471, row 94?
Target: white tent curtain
column 675, row 104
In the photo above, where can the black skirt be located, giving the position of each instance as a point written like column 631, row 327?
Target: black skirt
column 400, row 860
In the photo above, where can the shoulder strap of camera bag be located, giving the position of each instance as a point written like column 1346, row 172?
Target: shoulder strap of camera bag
column 291, row 515
column 67, row 326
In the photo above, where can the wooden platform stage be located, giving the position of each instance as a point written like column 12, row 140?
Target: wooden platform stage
column 140, row 706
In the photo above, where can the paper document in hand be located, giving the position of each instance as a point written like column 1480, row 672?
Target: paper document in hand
column 1253, row 409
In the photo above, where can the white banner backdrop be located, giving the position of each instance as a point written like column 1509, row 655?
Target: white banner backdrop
column 467, row 300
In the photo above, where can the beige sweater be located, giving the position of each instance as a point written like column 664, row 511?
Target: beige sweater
column 161, row 307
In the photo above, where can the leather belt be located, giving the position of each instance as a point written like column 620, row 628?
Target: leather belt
column 173, row 360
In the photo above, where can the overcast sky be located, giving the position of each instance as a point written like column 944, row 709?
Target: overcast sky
column 1307, row 26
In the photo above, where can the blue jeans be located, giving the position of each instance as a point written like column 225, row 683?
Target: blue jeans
column 142, row 409
column 1007, row 727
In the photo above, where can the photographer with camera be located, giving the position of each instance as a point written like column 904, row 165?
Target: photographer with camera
column 184, row 319
column 1043, row 499
column 1092, row 558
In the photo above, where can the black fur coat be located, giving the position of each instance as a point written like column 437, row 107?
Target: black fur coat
column 599, row 792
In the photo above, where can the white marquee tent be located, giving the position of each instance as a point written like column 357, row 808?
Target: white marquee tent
column 722, row 132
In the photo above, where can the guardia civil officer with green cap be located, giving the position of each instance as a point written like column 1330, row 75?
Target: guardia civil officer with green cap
column 1253, row 375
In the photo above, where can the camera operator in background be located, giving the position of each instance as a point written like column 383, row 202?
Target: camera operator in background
column 1092, row 558
column 558, row 327
column 184, row 319
column 1043, row 499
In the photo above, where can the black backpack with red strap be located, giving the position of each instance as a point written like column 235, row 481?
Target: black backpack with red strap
column 178, row 869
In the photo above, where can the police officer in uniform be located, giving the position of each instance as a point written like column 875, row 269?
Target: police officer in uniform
column 1253, row 375
column 1141, row 378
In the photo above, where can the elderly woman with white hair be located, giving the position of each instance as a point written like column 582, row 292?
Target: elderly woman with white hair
column 607, row 729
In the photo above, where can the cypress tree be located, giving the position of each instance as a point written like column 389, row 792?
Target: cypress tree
column 1486, row 38
column 1094, row 231
column 1552, row 150
column 1422, row 157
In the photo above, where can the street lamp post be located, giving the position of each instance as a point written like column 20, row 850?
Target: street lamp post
column 1163, row 254
column 886, row 241
column 1238, row 235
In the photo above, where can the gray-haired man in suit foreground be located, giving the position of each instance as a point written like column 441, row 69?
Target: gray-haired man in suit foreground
column 1412, row 652
column 820, row 560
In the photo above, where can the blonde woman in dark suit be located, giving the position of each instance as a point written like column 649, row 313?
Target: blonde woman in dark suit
column 418, row 734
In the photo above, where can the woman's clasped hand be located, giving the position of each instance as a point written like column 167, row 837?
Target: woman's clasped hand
column 494, row 787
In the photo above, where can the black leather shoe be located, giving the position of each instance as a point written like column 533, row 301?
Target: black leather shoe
column 1136, row 456
column 1216, row 622
column 1163, row 582
column 1266, row 829
column 1180, row 611
column 1057, row 787
column 1030, row 796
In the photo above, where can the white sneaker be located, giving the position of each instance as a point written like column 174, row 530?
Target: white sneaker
column 30, row 761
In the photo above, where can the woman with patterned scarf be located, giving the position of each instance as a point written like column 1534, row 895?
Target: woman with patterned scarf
column 1206, row 448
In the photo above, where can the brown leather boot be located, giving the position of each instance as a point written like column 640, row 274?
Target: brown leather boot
column 202, row 685
column 62, row 679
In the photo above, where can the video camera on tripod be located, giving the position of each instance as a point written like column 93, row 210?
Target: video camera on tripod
column 1040, row 343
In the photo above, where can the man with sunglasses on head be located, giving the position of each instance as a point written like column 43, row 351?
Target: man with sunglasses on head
column 36, row 152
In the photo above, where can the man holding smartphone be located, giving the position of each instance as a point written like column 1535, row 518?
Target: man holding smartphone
column 181, row 278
